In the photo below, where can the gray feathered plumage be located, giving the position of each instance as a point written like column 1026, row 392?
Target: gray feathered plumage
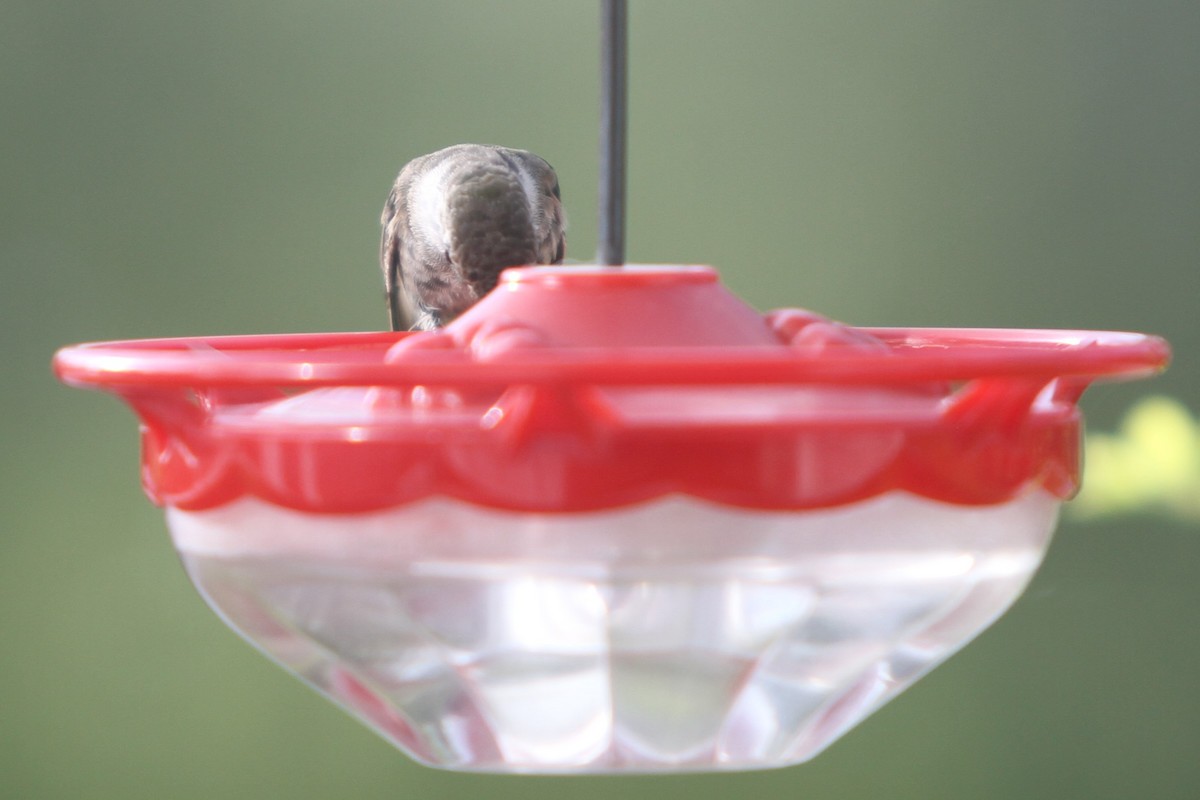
column 455, row 219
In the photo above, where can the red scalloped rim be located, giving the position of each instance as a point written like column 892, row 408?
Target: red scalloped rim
column 533, row 401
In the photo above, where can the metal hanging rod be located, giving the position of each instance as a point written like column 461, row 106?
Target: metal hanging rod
column 613, row 101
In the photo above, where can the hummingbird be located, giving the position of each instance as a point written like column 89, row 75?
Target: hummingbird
column 458, row 217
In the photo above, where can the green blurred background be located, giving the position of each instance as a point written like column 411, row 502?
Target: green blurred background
column 218, row 167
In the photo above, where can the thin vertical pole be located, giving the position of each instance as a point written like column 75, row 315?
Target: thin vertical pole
column 613, row 83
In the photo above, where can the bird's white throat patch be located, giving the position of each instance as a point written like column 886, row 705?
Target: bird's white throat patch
column 428, row 205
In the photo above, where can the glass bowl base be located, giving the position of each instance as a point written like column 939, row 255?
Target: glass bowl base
column 672, row 636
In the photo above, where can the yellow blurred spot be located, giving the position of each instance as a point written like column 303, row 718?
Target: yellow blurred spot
column 1151, row 464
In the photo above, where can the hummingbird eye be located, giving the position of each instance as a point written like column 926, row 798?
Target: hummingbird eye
column 554, row 191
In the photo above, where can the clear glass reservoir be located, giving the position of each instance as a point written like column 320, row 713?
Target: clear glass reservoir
column 674, row 635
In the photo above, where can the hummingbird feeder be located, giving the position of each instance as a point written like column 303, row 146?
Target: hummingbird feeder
column 538, row 541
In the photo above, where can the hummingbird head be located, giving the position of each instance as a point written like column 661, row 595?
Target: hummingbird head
column 472, row 211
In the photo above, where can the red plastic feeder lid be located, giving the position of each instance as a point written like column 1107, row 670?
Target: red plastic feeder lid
column 577, row 388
